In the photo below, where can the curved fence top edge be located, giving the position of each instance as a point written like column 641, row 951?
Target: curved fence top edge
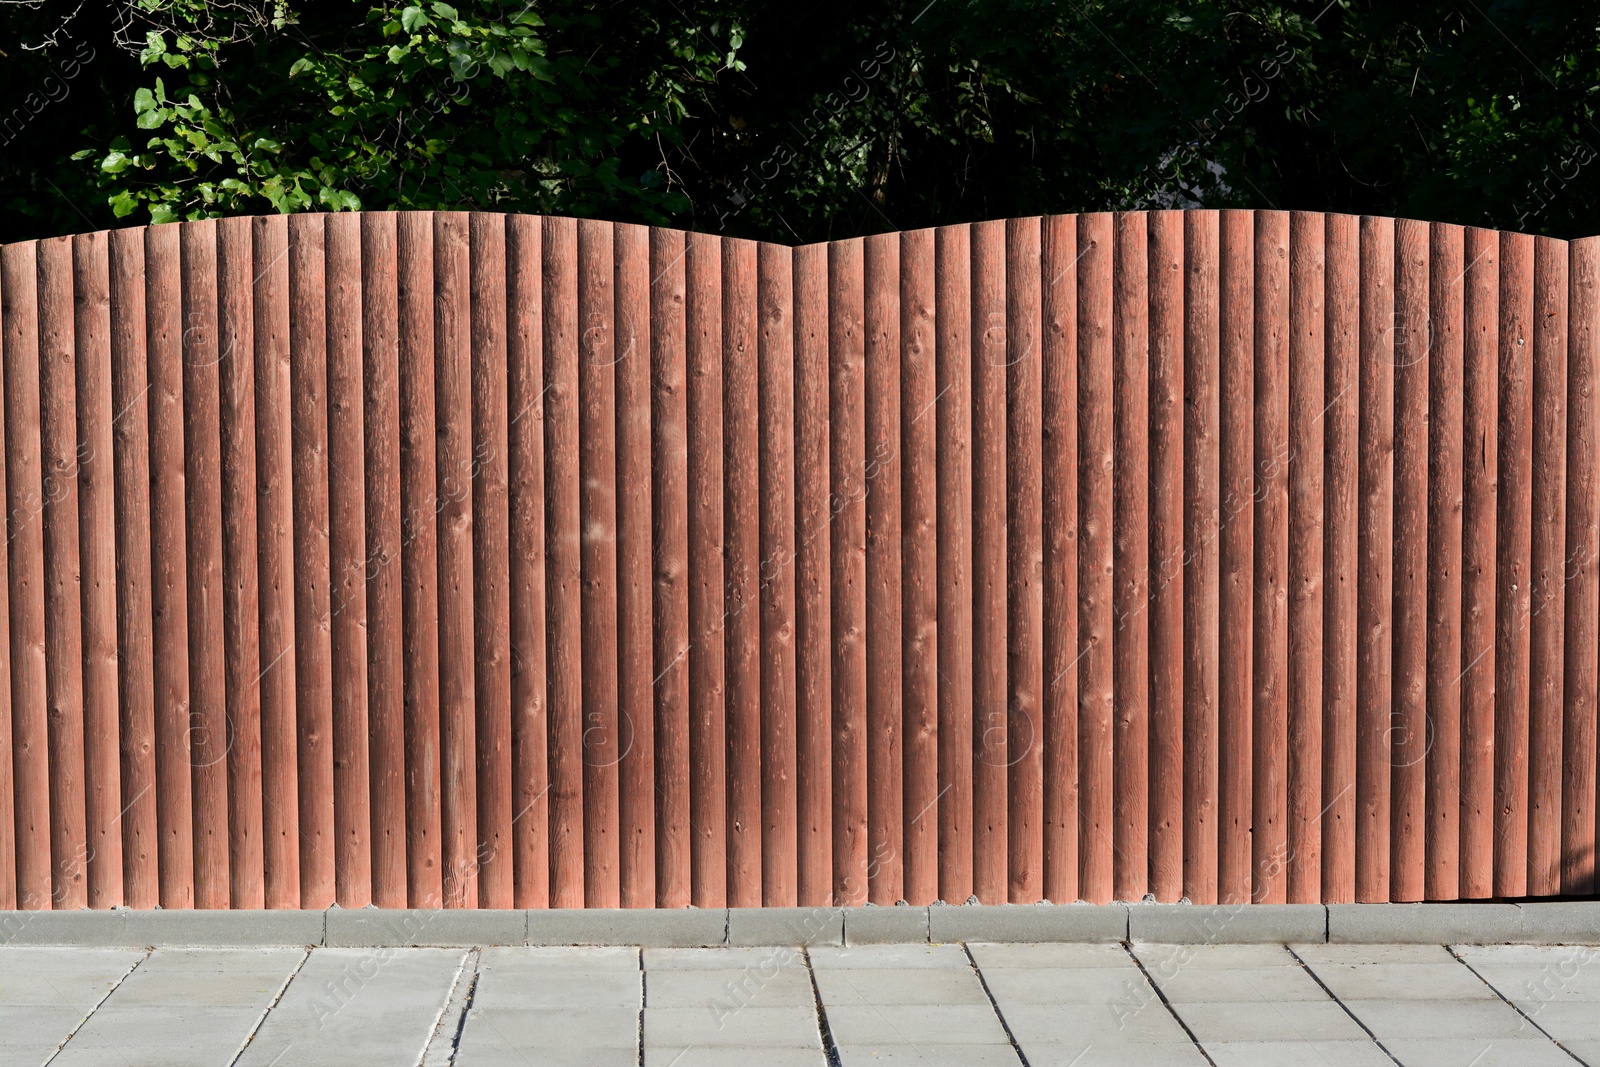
column 1269, row 212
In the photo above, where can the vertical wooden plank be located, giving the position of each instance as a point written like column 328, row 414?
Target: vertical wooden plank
column 1130, row 535
column 812, row 576
column 1202, row 503
column 1408, row 737
column 419, row 559
column 8, row 796
column 670, row 535
column 30, row 768
column 989, row 538
column 919, row 526
column 1307, row 408
column 1096, row 449
column 308, row 358
column 131, row 459
column 779, row 828
column 530, row 750
column 97, row 555
column 1340, row 433
column 563, row 570
column 742, row 565
column 63, row 626
column 169, row 553
column 1167, row 355
column 208, row 726
column 707, row 724
column 1236, row 462
column 635, row 707
column 597, row 473
column 1058, row 420
column 1024, row 564
column 1480, row 405
column 884, row 627
column 1375, row 644
column 241, row 605
column 847, row 458
column 280, row 807
column 452, row 382
column 1443, row 743
column 1582, row 591
column 1550, row 564
column 491, row 565
column 347, row 565
column 380, row 361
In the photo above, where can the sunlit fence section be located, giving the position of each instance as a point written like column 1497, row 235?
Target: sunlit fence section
column 472, row 560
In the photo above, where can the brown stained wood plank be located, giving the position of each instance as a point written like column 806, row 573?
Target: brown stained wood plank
column 812, row 578
column 1202, row 505
column 1024, row 564
column 1340, row 433
column 347, row 565
column 741, row 489
column 1167, row 356
column 1307, row 408
column 670, row 536
column 919, row 521
column 635, row 671
column 1441, row 836
column 1235, row 608
column 97, row 556
column 169, row 555
column 707, row 709
column 241, row 602
column 280, row 807
column 1480, row 405
column 419, row 559
column 847, row 474
column 1582, row 591
column 8, row 797
column 1551, row 562
column 530, row 760
column 131, row 462
column 1375, row 605
column 884, row 572
column 491, row 565
column 385, row 596
column 1096, row 619
column 1130, row 536
column 779, row 752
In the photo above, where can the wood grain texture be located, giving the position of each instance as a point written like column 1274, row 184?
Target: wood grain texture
column 8, row 794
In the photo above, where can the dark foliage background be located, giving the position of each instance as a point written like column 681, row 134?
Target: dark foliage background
column 798, row 122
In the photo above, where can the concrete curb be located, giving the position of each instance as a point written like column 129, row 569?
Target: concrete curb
column 1542, row 923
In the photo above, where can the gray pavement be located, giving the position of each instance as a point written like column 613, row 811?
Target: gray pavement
column 940, row 1005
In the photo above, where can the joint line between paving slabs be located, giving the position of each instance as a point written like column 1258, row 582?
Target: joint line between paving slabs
column 1165, row 1003
column 994, row 1005
column 463, row 987
column 1509, row 1003
column 283, row 987
column 1317, row 978
column 644, row 991
column 829, row 1049
column 90, row 1013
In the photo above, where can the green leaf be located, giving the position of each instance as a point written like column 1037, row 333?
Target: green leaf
column 161, row 214
column 413, row 19
column 304, row 63
column 445, row 11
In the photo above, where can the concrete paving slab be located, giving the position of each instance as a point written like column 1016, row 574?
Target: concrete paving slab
column 762, row 958
column 785, row 926
column 1066, row 985
column 47, row 993
column 746, row 986
column 174, row 1035
column 904, row 957
column 530, row 1003
column 425, row 927
column 862, row 986
column 921, row 1025
column 1435, row 924
column 885, row 926
column 733, row 1056
column 663, row 927
column 1050, row 955
column 1198, row 924
column 929, row 1055
column 1362, row 1053
column 1538, row 979
column 1264, row 1020
column 369, row 1005
column 1028, row 922
column 1486, row 1018
column 562, row 957
column 707, row 1026
column 1277, row 984
column 1468, row 1052
column 1114, row 1054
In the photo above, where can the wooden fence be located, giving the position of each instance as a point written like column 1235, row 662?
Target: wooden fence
column 478, row 560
